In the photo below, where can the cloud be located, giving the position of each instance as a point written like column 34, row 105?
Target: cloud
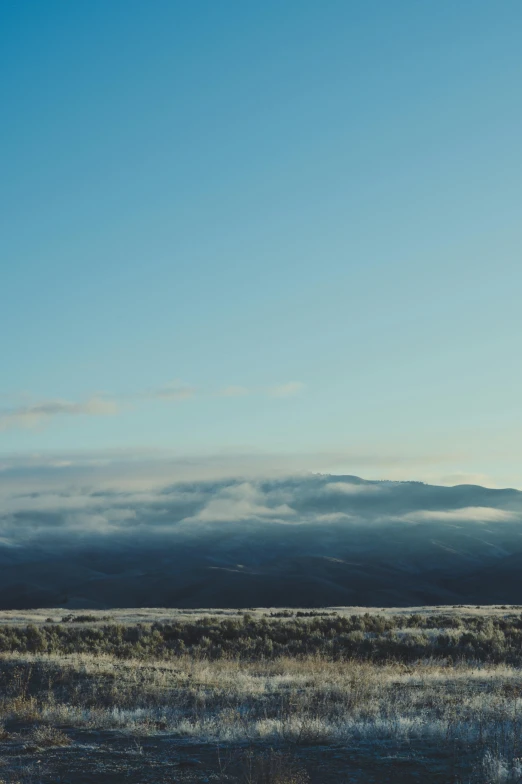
column 145, row 468
column 290, row 389
column 484, row 514
column 348, row 488
column 334, row 517
column 239, row 503
column 34, row 414
column 173, row 391
column 37, row 506
column 38, row 413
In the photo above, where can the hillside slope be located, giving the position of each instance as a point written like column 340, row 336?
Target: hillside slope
column 305, row 541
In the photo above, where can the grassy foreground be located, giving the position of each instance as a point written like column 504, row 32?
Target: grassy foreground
column 274, row 697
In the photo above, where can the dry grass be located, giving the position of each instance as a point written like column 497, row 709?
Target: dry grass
column 168, row 615
column 279, row 702
column 286, row 700
column 46, row 736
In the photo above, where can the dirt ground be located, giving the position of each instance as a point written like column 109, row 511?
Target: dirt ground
column 111, row 758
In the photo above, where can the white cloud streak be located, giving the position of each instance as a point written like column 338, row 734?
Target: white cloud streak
column 174, row 391
column 39, row 413
column 483, row 514
column 348, row 488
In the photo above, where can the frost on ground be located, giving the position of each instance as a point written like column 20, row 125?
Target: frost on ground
column 179, row 703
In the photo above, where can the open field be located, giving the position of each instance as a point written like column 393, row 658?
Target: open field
column 167, row 614
column 281, row 696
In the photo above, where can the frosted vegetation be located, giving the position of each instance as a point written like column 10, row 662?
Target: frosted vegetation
column 317, row 678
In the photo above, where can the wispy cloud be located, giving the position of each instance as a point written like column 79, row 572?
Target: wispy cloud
column 348, row 488
column 290, row 389
column 174, row 390
column 36, row 414
column 40, row 413
column 135, row 466
column 483, row 514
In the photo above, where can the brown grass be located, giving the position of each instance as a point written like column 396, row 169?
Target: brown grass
column 281, row 701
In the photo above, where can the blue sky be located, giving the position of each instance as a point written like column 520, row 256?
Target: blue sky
column 279, row 228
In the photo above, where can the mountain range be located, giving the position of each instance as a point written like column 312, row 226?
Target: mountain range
column 314, row 540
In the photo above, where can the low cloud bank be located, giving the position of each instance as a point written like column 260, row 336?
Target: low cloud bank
column 115, row 534
column 75, row 513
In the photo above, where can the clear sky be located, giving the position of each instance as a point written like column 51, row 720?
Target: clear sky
column 283, row 227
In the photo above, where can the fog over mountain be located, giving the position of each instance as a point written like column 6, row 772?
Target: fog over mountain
column 305, row 540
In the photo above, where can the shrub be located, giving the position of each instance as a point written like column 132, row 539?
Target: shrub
column 44, row 736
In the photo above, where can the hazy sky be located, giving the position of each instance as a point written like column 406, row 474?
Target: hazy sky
column 283, row 228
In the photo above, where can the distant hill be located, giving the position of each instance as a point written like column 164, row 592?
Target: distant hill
column 301, row 541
